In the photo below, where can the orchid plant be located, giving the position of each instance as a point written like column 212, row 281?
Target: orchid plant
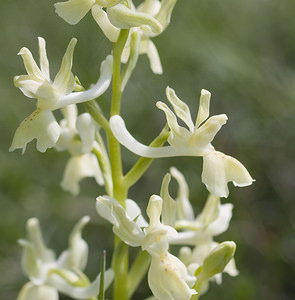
column 171, row 221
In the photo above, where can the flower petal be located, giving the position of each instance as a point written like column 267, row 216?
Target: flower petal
column 219, row 169
column 200, row 140
column 44, row 64
column 184, row 208
column 35, row 254
column 70, row 113
column 28, row 84
column 150, row 7
column 148, row 47
column 124, row 227
column 203, row 112
column 135, row 213
column 86, row 129
column 30, row 291
column 101, row 18
column 47, row 95
column 221, row 223
column 164, row 14
column 169, row 205
column 231, row 268
column 75, row 257
column 98, row 89
column 123, row 17
column 169, row 279
column 154, row 210
column 72, row 11
column 30, row 64
column 40, row 125
column 181, row 109
column 79, row 167
column 77, row 292
column 178, row 134
column 64, row 80
column 35, row 237
column 108, row 3
column 156, row 234
column 210, row 212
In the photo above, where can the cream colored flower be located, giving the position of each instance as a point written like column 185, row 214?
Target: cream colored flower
column 51, row 95
column 148, row 20
column 49, row 275
column 193, row 140
column 168, row 277
column 161, row 11
column 78, row 137
column 199, row 231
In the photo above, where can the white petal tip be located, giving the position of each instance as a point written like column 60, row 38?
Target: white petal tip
column 205, row 92
column 243, row 184
column 23, row 51
column 160, row 104
column 85, row 219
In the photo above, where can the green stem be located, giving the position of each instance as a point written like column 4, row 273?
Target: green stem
column 137, row 271
column 120, row 256
column 120, row 267
column 119, row 191
column 94, row 110
column 195, row 297
column 102, row 270
column 102, row 157
column 116, row 84
column 143, row 163
column 199, row 283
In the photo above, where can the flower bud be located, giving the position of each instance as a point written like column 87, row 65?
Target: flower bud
column 217, row 259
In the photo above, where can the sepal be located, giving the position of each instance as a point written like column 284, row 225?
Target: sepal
column 75, row 257
column 124, row 17
column 72, row 11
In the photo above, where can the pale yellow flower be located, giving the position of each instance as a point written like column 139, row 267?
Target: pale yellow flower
column 51, row 95
column 192, row 140
column 49, row 275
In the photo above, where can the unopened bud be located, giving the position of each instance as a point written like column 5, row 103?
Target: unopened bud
column 217, row 259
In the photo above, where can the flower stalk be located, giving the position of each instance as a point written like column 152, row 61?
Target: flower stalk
column 119, row 191
column 93, row 140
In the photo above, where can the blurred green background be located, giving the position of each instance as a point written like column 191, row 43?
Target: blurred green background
column 243, row 52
